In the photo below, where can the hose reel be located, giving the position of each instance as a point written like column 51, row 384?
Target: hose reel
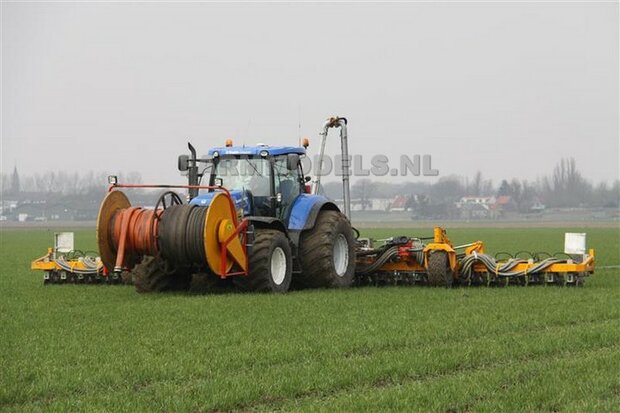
column 181, row 234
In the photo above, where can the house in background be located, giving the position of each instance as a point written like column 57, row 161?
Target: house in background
column 370, row 204
column 537, row 206
column 399, row 203
column 503, row 204
column 477, row 207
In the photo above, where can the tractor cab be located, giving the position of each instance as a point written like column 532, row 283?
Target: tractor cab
column 262, row 180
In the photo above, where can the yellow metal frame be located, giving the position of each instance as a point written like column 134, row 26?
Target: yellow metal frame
column 220, row 224
column 47, row 263
column 442, row 243
column 586, row 266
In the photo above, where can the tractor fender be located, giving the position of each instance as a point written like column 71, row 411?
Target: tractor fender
column 268, row 222
column 241, row 199
column 306, row 209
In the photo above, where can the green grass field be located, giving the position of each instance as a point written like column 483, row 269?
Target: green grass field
column 107, row 348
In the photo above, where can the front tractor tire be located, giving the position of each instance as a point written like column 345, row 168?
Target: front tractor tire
column 154, row 274
column 439, row 272
column 327, row 253
column 270, row 263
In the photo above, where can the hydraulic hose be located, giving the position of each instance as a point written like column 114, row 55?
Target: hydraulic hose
column 504, row 269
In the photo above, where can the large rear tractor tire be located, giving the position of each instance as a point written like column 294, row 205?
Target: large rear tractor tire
column 271, row 263
column 327, row 253
column 439, row 272
column 153, row 274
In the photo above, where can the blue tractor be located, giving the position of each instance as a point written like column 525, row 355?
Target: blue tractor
column 255, row 224
column 298, row 239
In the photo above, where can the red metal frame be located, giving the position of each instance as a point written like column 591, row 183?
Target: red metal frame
column 111, row 187
column 215, row 187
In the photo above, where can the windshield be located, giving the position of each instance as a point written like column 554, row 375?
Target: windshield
column 251, row 174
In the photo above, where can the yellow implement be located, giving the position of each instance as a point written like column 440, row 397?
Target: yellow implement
column 440, row 263
column 63, row 270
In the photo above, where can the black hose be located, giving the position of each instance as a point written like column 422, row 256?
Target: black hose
column 167, row 222
column 181, row 234
column 381, row 259
column 194, row 241
column 527, row 253
column 539, row 254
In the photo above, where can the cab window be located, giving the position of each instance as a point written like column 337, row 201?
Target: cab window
column 245, row 174
column 287, row 183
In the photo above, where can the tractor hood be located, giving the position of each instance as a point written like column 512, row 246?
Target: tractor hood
column 240, row 199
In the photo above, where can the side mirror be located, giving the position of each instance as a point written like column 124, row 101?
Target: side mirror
column 307, row 178
column 183, row 163
column 292, row 161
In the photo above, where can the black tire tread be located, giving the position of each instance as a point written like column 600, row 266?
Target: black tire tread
column 315, row 253
column 438, row 272
column 258, row 278
column 151, row 276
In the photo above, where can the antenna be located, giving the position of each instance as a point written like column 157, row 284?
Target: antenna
column 299, row 125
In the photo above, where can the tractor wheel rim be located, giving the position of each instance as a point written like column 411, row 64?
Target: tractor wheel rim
column 278, row 266
column 341, row 255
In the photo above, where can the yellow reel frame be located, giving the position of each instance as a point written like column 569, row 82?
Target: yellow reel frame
column 222, row 244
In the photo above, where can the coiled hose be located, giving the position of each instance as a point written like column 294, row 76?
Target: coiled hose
column 181, row 234
column 503, row 269
column 93, row 268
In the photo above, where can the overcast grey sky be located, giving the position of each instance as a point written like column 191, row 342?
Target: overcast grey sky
column 506, row 88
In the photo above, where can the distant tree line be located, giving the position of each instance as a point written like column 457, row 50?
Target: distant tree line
column 59, row 194
column 565, row 187
column 60, row 182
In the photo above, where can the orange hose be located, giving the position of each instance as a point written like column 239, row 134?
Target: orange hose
column 134, row 232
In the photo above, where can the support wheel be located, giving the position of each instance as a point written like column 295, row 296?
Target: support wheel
column 271, row 263
column 439, row 272
column 327, row 253
column 154, row 274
